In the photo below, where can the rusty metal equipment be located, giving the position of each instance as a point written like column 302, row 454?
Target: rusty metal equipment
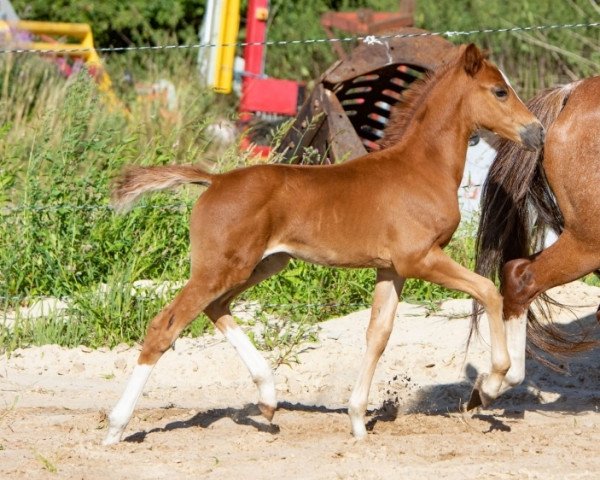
column 346, row 113
column 367, row 22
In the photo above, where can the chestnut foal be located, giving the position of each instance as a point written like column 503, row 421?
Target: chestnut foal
column 393, row 210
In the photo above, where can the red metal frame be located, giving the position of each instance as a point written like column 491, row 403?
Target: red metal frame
column 261, row 95
column 270, row 95
column 256, row 32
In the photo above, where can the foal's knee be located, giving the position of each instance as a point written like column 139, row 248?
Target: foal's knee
column 377, row 338
column 491, row 298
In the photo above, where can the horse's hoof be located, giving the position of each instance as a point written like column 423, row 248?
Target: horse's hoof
column 267, row 411
column 359, row 430
column 478, row 396
column 474, row 401
column 112, row 437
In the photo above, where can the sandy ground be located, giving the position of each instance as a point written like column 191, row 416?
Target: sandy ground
column 197, row 419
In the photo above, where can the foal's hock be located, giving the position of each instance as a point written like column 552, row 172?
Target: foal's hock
column 393, row 210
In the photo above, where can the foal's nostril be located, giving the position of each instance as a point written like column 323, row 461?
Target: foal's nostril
column 533, row 135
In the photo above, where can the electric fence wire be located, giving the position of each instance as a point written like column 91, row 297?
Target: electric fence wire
column 369, row 39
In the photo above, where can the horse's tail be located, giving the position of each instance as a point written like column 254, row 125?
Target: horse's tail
column 135, row 181
column 517, row 209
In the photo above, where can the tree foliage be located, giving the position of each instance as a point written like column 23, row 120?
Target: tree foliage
column 117, row 23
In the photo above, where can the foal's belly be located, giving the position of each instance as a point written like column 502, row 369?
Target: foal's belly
column 334, row 257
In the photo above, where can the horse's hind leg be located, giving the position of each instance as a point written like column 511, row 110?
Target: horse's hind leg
column 385, row 301
column 524, row 279
column 219, row 312
column 162, row 332
column 201, row 290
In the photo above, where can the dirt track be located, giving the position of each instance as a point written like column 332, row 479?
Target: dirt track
column 196, row 419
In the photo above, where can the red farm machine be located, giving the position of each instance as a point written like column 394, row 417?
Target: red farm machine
column 346, row 114
column 264, row 101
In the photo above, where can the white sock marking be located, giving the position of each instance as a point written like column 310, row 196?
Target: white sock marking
column 121, row 414
column 516, row 338
column 259, row 368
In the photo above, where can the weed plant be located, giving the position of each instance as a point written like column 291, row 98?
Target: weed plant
column 61, row 147
column 61, row 143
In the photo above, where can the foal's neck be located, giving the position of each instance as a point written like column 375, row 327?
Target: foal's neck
column 439, row 131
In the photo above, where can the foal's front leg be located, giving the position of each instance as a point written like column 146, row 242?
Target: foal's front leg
column 438, row 268
column 385, row 301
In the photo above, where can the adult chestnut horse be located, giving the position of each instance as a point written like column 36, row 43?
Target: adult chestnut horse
column 555, row 188
column 393, row 210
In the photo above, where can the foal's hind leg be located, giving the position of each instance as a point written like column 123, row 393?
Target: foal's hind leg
column 218, row 311
column 437, row 267
column 162, row 332
column 385, row 301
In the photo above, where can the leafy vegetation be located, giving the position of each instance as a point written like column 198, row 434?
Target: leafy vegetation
column 61, row 143
column 535, row 59
column 59, row 238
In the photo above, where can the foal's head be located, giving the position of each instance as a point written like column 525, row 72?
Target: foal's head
column 493, row 103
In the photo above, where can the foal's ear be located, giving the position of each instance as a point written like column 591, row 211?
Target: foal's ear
column 473, row 59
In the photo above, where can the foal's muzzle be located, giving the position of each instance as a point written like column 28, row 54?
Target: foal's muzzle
column 532, row 136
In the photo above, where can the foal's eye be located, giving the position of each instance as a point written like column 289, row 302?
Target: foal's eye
column 500, row 92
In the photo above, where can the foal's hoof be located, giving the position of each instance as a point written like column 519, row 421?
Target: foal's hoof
column 267, row 410
column 478, row 397
column 112, row 437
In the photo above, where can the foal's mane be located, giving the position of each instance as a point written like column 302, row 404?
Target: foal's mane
column 412, row 98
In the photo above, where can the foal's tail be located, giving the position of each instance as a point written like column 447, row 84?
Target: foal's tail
column 517, row 209
column 135, row 181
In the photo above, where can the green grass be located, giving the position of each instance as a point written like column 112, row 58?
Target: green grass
column 61, row 145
